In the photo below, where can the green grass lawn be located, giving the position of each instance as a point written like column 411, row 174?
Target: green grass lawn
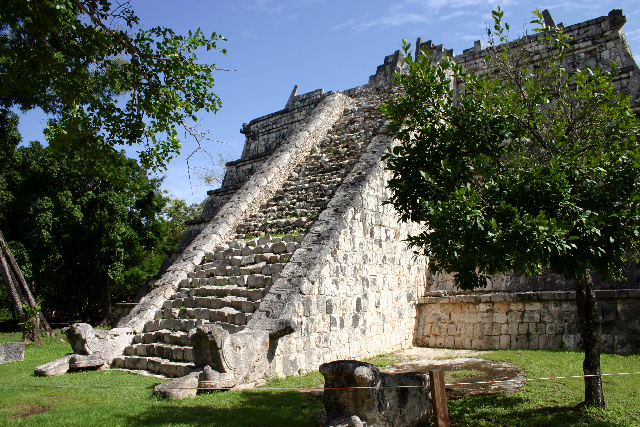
column 555, row 402
column 74, row 400
column 85, row 399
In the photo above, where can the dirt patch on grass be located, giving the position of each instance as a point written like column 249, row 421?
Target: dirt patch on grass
column 464, row 375
column 27, row 410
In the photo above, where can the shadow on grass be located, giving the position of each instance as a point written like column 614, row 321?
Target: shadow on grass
column 503, row 411
column 237, row 409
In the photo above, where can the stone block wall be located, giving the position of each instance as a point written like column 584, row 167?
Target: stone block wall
column 353, row 286
column 597, row 42
column 533, row 320
column 443, row 283
column 265, row 134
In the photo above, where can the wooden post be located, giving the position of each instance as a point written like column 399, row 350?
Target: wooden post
column 439, row 398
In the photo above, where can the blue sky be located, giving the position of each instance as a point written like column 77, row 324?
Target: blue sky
column 276, row 44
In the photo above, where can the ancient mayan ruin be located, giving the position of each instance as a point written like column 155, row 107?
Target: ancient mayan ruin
column 296, row 261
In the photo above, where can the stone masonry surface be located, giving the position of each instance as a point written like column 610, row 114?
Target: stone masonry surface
column 534, row 320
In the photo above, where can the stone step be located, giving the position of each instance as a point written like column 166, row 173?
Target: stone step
column 173, row 353
column 245, row 281
column 153, row 364
column 251, row 294
column 165, row 336
column 184, row 325
column 257, row 266
column 224, row 314
column 278, row 253
column 239, row 303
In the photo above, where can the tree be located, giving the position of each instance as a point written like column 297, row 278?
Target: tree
column 83, row 233
column 104, row 83
column 25, row 307
column 82, row 62
column 529, row 167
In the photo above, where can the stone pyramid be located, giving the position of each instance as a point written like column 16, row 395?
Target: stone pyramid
column 296, row 260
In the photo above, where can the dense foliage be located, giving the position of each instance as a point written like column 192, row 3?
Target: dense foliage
column 85, row 223
column 81, row 235
column 526, row 167
column 85, row 63
column 85, row 231
column 534, row 169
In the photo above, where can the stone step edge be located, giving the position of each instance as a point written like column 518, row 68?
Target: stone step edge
column 202, row 322
column 245, row 305
column 142, row 372
column 163, row 366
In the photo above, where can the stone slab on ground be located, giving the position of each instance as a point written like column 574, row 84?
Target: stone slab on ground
column 179, row 388
column 11, row 352
column 59, row 366
column 487, row 376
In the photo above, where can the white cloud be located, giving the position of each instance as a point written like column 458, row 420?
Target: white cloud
column 633, row 35
column 250, row 35
column 277, row 7
column 420, row 11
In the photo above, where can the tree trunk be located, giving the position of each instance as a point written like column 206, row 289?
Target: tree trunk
column 17, row 273
column 16, row 300
column 590, row 324
column 39, row 321
column 105, row 296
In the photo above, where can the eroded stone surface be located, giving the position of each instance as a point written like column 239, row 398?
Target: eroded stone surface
column 180, row 388
column 357, row 392
column 11, row 352
column 102, row 344
column 59, row 366
column 243, row 354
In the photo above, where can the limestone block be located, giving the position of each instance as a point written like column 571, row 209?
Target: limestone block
column 82, row 361
column 179, row 388
column 279, row 247
column 59, row 366
column 11, row 352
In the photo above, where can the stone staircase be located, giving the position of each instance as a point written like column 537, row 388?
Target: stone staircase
column 310, row 186
column 225, row 290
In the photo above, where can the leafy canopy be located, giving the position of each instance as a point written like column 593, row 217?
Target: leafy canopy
column 80, row 233
column 526, row 166
column 84, row 62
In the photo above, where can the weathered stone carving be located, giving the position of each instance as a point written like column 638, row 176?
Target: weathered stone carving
column 180, row 388
column 94, row 348
column 59, row 366
column 357, row 393
column 243, row 354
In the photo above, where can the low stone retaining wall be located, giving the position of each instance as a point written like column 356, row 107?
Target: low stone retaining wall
column 528, row 320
